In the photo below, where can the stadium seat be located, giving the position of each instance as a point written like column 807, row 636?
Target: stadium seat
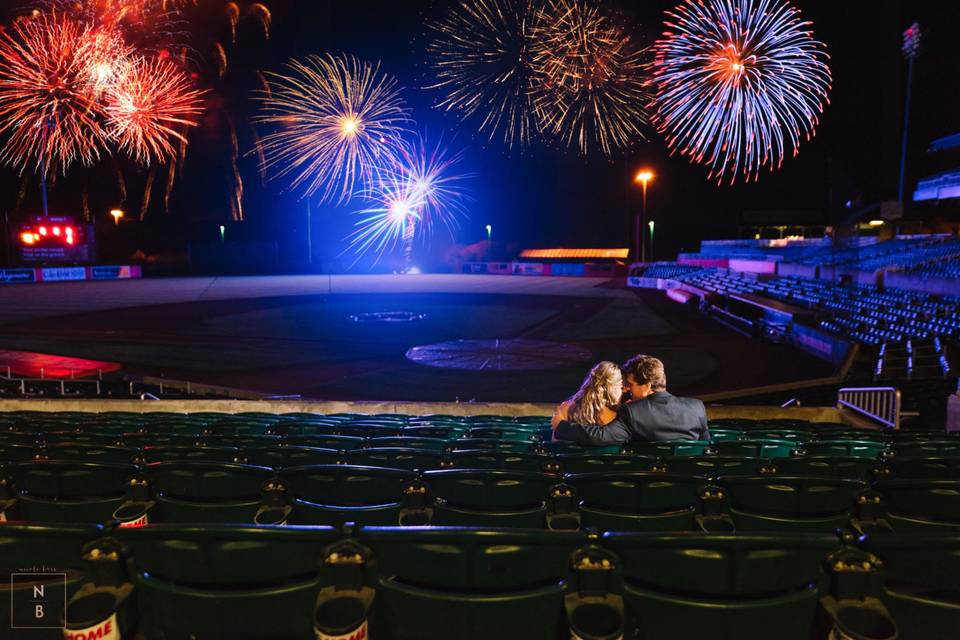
column 790, row 503
column 188, row 454
column 928, row 448
column 394, row 457
column 74, row 492
column 921, row 587
column 87, row 453
column 637, row 501
column 344, row 443
column 668, row 448
column 922, row 505
column 470, row 584
column 610, row 462
column 193, row 492
column 279, row 456
column 407, row 442
column 828, row 466
column 848, row 448
column 227, row 581
column 503, row 460
column 335, row 494
column 10, row 452
column 742, row 586
column 490, row 444
column 489, row 497
column 923, row 468
column 756, row 448
column 713, row 466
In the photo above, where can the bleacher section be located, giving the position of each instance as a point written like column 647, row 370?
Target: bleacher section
column 442, row 526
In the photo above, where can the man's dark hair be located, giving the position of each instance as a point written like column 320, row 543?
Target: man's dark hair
column 646, row 369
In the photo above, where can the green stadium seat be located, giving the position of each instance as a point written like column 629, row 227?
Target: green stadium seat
column 343, row 443
column 192, row 492
column 227, row 581
column 89, row 453
column 489, row 444
column 928, row 448
column 722, row 435
column 563, row 447
column 668, row 448
column 637, row 501
column 934, row 468
column 10, row 452
column 74, row 492
column 240, row 442
column 404, row 442
column 295, row 428
column 713, row 466
column 828, row 467
column 279, row 456
column 921, row 589
column 503, row 460
column 790, row 503
column 441, row 431
column 143, row 440
column 74, row 438
column 467, row 497
column 394, row 457
column 335, row 494
column 470, row 584
column 922, row 505
column 606, row 462
column 368, row 429
column 756, row 448
column 741, row 586
column 186, row 454
column 847, row 448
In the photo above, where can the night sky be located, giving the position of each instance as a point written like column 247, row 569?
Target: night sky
column 542, row 196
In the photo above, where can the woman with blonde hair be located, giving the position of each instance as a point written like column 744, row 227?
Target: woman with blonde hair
column 597, row 399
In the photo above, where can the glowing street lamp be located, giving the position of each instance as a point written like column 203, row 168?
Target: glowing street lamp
column 489, row 232
column 223, row 232
column 643, row 177
column 117, row 214
column 652, row 254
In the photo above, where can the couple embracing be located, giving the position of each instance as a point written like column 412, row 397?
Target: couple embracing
column 616, row 405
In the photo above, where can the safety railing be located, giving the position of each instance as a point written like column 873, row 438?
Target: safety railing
column 880, row 404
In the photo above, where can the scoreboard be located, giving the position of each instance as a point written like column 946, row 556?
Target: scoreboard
column 54, row 240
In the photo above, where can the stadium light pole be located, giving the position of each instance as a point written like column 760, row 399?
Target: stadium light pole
column 644, row 176
column 653, row 256
column 911, row 48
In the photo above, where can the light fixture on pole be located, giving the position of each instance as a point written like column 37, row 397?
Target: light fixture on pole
column 653, row 256
column 117, row 214
column 644, row 176
column 489, row 232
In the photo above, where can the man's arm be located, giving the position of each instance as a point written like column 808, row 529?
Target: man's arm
column 615, row 432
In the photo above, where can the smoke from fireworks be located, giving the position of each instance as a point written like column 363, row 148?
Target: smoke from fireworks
column 591, row 88
column 419, row 191
column 337, row 120
column 481, row 59
column 48, row 91
column 738, row 83
column 147, row 108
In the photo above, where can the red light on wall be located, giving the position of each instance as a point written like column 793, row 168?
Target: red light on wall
column 43, row 231
column 27, row 237
column 69, row 239
column 56, row 231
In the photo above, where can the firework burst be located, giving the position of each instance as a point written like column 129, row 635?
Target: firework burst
column 480, row 54
column 48, row 97
column 591, row 88
column 421, row 190
column 150, row 107
column 338, row 120
column 739, row 84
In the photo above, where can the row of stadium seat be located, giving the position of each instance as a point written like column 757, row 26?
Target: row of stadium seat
column 246, row 582
column 846, row 459
column 707, row 498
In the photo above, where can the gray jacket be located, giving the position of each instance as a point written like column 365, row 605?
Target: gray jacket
column 659, row 416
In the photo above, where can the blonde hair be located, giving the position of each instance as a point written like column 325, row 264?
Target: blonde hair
column 601, row 388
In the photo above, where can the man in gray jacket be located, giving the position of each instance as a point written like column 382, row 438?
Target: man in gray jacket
column 652, row 413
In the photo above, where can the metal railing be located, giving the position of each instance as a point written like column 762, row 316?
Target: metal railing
column 880, row 404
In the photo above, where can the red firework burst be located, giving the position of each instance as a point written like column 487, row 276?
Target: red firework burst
column 48, row 108
column 150, row 108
